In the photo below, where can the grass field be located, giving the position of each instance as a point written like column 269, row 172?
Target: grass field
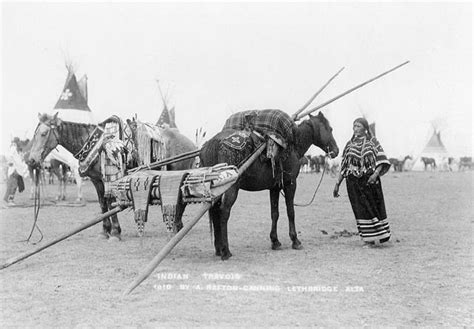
column 423, row 277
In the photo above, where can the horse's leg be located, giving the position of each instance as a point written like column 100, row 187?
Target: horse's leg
column 63, row 189
column 274, row 198
column 216, row 225
column 106, row 225
column 227, row 201
column 58, row 196
column 79, row 187
column 290, row 190
column 115, row 231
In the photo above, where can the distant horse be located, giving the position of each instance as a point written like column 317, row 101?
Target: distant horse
column 429, row 162
column 465, row 163
column 398, row 165
column 52, row 131
column 305, row 164
column 260, row 176
column 318, row 162
column 333, row 165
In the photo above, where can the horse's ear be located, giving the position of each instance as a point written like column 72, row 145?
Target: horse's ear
column 55, row 117
column 39, row 116
column 310, row 116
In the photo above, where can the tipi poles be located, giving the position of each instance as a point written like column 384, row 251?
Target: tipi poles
column 295, row 115
column 348, row 91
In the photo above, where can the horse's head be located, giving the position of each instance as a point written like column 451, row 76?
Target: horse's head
column 45, row 139
column 322, row 134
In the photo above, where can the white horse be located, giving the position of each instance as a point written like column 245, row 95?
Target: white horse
column 63, row 155
column 333, row 165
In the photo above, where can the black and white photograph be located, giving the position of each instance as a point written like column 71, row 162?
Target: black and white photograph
column 236, row 164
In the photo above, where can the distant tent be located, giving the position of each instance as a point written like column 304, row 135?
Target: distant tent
column 371, row 125
column 372, row 128
column 172, row 118
column 433, row 149
column 83, row 87
column 167, row 117
column 72, row 103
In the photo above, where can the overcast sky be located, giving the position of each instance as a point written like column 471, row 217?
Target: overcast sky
column 215, row 59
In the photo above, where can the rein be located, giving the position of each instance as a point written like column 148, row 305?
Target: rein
column 317, row 187
column 315, row 191
column 36, row 208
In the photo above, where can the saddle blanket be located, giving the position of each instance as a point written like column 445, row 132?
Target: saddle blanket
column 276, row 124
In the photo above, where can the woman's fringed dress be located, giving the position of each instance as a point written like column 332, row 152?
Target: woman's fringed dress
column 361, row 157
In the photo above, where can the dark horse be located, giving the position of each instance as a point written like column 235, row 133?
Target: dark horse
column 398, row 164
column 260, row 176
column 52, row 131
column 429, row 162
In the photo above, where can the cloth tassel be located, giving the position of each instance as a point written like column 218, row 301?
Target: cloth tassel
column 169, row 215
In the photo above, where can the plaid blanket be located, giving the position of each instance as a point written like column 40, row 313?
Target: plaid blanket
column 274, row 123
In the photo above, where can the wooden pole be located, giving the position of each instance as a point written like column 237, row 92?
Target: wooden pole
column 88, row 224
column 164, row 162
column 294, row 116
column 349, row 91
column 180, row 235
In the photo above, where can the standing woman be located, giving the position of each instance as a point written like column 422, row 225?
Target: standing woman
column 363, row 162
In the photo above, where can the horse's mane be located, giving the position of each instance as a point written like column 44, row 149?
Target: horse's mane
column 47, row 118
column 321, row 119
column 76, row 125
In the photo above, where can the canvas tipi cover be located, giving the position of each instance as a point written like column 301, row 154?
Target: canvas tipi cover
column 434, row 149
column 72, row 103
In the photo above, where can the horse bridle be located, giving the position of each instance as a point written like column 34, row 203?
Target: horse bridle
column 324, row 147
column 53, row 129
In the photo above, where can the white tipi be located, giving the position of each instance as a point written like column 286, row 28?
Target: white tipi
column 434, row 149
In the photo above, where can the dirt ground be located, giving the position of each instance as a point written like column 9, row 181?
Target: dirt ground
column 423, row 277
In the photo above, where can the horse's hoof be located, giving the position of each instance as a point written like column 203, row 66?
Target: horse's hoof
column 218, row 253
column 297, row 245
column 103, row 236
column 114, row 238
column 276, row 245
column 226, row 255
